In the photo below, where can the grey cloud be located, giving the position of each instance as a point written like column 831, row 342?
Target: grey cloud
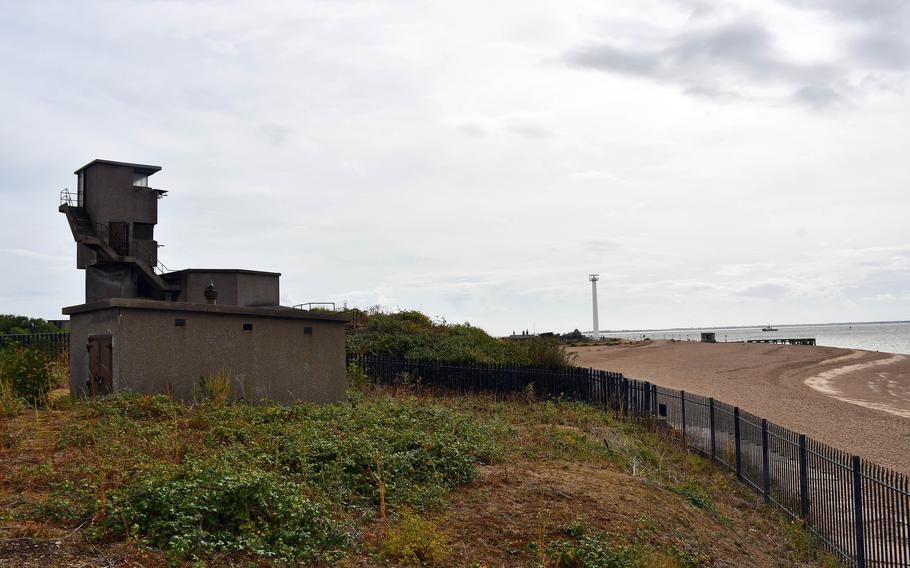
column 883, row 51
column 701, row 60
column 610, row 58
column 713, row 93
column 530, row 130
column 723, row 61
column 868, row 10
column 881, row 38
column 276, row 134
column 600, row 244
column 817, row 96
column 766, row 290
column 472, row 129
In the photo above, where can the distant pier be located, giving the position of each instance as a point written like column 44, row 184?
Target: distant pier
column 796, row 341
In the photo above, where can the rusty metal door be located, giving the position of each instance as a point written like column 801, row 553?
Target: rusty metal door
column 120, row 237
column 100, row 358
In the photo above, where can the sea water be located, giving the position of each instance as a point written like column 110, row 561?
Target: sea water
column 892, row 337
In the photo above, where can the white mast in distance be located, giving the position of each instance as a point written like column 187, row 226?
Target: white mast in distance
column 594, row 278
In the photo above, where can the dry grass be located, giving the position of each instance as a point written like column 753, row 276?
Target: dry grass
column 560, row 464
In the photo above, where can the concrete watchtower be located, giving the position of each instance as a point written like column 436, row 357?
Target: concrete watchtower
column 112, row 217
column 143, row 328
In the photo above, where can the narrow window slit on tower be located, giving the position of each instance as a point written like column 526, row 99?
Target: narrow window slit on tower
column 247, row 327
column 308, row 330
column 180, row 322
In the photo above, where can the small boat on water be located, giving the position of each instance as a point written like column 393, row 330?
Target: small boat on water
column 769, row 328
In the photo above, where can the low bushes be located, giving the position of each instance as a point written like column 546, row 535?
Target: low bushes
column 210, row 507
column 24, row 374
column 413, row 335
column 281, row 482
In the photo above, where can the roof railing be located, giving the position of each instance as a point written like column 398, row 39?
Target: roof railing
column 309, row 305
column 159, row 267
column 68, row 197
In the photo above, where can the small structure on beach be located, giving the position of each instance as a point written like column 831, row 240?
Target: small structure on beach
column 144, row 328
column 785, row 341
column 708, row 337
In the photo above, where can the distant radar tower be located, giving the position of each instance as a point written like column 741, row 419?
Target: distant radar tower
column 594, row 278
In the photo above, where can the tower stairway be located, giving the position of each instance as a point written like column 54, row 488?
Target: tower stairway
column 96, row 236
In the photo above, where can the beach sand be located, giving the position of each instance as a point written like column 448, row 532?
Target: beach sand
column 853, row 400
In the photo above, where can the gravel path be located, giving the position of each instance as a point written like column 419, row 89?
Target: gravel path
column 858, row 401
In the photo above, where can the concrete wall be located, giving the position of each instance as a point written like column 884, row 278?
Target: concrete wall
column 85, row 256
column 110, row 280
column 277, row 360
column 257, row 289
column 235, row 287
column 100, row 322
column 110, row 196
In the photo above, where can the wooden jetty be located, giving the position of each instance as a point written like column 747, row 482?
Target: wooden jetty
column 796, row 341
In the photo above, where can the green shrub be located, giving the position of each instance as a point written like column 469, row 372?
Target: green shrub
column 357, row 377
column 25, row 370
column 10, row 404
column 209, row 507
column 10, row 323
column 413, row 335
column 415, row 540
column 592, row 550
column 260, row 480
column 545, row 351
column 418, row 450
column 214, row 388
column 696, row 495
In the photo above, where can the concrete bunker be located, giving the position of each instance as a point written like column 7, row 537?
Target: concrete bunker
column 144, row 328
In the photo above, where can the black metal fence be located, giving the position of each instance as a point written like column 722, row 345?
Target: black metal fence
column 50, row 343
column 860, row 511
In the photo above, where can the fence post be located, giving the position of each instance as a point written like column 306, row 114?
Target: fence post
column 682, row 433
column 858, row 514
column 765, row 462
column 803, row 479
column 646, row 394
column 736, row 437
column 625, row 396
column 713, row 439
column 654, row 400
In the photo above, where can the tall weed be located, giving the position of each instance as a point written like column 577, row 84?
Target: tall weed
column 26, row 372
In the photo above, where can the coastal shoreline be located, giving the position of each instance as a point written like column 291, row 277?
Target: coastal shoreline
column 851, row 399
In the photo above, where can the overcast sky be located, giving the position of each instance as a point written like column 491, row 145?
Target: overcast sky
column 716, row 163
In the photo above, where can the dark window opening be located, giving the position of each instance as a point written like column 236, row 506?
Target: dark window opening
column 247, row 327
column 662, row 410
column 144, row 231
column 308, row 330
column 180, row 322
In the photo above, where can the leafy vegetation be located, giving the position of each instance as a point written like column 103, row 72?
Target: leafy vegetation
column 202, row 508
column 258, row 481
column 413, row 335
column 590, row 549
column 415, row 540
column 14, row 324
column 387, row 477
column 27, row 375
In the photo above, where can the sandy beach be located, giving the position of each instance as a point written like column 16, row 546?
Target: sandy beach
column 855, row 400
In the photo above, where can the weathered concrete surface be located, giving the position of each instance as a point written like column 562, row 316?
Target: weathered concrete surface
column 277, row 360
column 111, row 196
column 236, row 287
column 110, row 280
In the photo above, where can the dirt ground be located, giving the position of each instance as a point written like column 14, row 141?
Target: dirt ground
column 516, row 498
column 858, row 401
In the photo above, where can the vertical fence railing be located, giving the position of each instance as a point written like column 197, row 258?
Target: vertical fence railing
column 51, row 343
column 860, row 511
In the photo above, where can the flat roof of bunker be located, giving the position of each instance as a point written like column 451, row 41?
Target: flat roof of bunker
column 268, row 311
